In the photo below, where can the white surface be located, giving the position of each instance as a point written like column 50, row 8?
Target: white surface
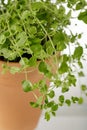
column 73, row 118
column 65, row 123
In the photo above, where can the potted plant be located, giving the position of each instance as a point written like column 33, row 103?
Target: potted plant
column 32, row 38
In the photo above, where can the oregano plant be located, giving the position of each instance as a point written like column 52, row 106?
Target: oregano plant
column 33, row 33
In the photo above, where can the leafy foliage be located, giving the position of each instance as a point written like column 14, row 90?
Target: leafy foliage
column 26, row 85
column 83, row 16
column 33, row 33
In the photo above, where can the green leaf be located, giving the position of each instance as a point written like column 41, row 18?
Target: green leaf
column 80, row 64
column 8, row 54
column 59, row 36
column 50, row 104
column 14, row 69
column 47, row 116
column 53, row 113
column 36, row 41
column 34, row 104
column 38, row 51
column 73, row 38
column 24, row 62
column 26, row 86
column 25, row 14
column 81, row 74
column 36, row 48
column 43, row 67
column 80, row 36
column 57, row 83
column 69, row 14
column 21, row 39
column 63, row 68
column 74, row 99
column 2, row 39
column 39, row 100
column 65, row 57
column 46, row 99
column 5, row 68
column 80, row 101
column 7, row 34
column 43, row 87
column 61, row 46
column 83, row 16
column 61, row 98
column 51, row 94
column 14, row 29
column 68, row 102
column 59, row 41
column 83, row 87
column 36, row 5
column 62, row 9
column 49, row 48
column 72, row 79
column 65, row 89
column 78, row 52
column 32, row 61
column 54, row 107
column 80, row 5
column 33, row 30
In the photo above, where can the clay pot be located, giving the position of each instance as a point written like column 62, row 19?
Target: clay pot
column 15, row 111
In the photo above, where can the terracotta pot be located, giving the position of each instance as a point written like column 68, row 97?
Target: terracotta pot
column 15, row 111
